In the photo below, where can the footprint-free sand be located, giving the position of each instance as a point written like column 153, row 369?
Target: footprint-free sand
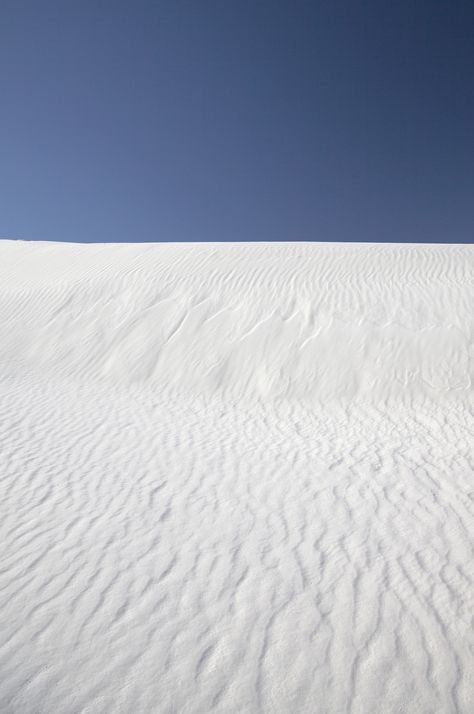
column 236, row 478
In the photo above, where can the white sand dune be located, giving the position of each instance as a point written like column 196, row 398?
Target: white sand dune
column 236, row 478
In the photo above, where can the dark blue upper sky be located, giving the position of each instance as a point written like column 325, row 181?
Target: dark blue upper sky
column 237, row 120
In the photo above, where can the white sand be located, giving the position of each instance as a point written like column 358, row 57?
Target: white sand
column 236, row 478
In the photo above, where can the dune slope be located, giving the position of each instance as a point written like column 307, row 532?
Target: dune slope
column 236, row 478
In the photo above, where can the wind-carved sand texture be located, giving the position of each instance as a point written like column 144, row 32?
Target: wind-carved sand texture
column 236, row 478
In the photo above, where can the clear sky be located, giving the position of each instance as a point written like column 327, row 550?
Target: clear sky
column 342, row 120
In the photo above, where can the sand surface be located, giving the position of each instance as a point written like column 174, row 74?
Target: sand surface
column 236, row 478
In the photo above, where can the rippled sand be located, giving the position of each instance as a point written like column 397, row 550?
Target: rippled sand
column 236, row 478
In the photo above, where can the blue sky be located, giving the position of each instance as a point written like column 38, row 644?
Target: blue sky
column 237, row 120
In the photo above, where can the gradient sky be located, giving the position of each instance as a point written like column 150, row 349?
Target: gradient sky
column 237, row 120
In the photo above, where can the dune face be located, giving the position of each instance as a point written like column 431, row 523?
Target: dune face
column 236, row 478
column 300, row 322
